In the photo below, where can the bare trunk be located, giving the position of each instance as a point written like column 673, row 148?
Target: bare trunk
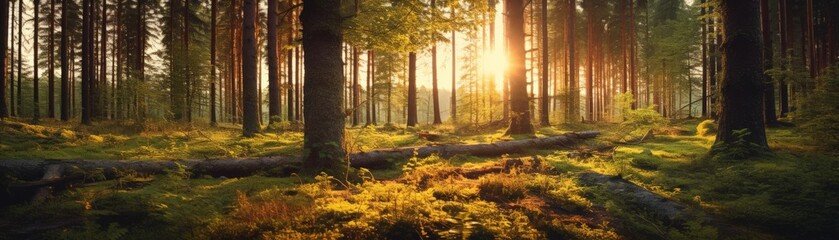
column 324, row 118
column 412, row 89
column 516, row 72
column 273, row 63
column 36, row 110
column 742, row 85
column 544, row 117
column 4, row 41
column 250, row 102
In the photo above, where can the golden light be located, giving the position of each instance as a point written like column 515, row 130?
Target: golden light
column 494, row 64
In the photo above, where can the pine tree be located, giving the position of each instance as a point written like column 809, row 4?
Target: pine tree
column 324, row 127
column 4, row 40
column 741, row 100
column 249, row 94
column 520, row 113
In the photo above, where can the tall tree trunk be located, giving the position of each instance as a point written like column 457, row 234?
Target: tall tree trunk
column 742, row 84
column 87, row 60
column 11, row 63
column 140, row 61
column 713, row 65
column 273, row 63
column 769, row 90
column 453, row 111
column 412, row 89
column 298, row 85
column 784, row 36
column 188, row 67
column 324, row 127
column 544, row 117
column 19, row 105
column 590, row 60
column 4, row 41
column 250, row 102
column 573, row 86
column 811, row 42
column 705, row 59
column 213, row 29
column 516, row 72
column 356, row 92
column 633, row 80
column 434, row 92
column 290, row 76
column 36, row 110
column 369, row 105
column 65, row 63
column 372, row 89
column 51, row 63
column 103, row 60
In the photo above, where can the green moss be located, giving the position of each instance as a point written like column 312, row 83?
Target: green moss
column 706, row 128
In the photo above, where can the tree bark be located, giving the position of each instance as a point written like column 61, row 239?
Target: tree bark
column 741, row 100
column 572, row 86
column 36, row 110
column 589, row 10
column 213, row 30
column 633, row 80
column 769, row 90
column 65, row 63
column 87, row 60
column 372, row 90
column 4, row 41
column 273, row 63
column 412, row 89
column 544, row 117
column 704, row 59
column 516, row 72
column 324, row 118
column 453, row 111
column 435, row 93
column 51, row 63
column 784, row 36
column 290, row 75
column 250, row 102
column 19, row 104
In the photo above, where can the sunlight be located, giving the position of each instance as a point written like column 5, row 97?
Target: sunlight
column 494, row 63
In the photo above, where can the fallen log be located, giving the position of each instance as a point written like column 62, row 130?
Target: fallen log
column 662, row 208
column 373, row 159
column 35, row 169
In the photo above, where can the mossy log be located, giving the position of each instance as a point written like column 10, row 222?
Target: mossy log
column 33, row 170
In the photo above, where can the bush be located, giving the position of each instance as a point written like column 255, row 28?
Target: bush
column 818, row 115
column 637, row 122
column 501, row 188
column 706, row 128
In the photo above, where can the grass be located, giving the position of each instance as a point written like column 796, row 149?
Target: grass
column 791, row 194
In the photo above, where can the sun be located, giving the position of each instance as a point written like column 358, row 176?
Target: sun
column 493, row 64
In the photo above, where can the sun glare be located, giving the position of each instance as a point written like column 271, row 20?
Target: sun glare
column 494, row 63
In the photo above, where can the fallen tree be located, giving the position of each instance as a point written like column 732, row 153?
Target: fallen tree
column 71, row 169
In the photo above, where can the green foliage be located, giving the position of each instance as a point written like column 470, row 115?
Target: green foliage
column 820, row 116
column 501, row 188
column 637, row 122
column 739, row 148
column 562, row 192
column 706, row 128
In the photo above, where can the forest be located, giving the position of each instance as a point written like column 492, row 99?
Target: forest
column 419, row 119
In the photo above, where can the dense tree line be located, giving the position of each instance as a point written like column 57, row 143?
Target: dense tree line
column 568, row 61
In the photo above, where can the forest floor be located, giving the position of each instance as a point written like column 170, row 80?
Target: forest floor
column 791, row 194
